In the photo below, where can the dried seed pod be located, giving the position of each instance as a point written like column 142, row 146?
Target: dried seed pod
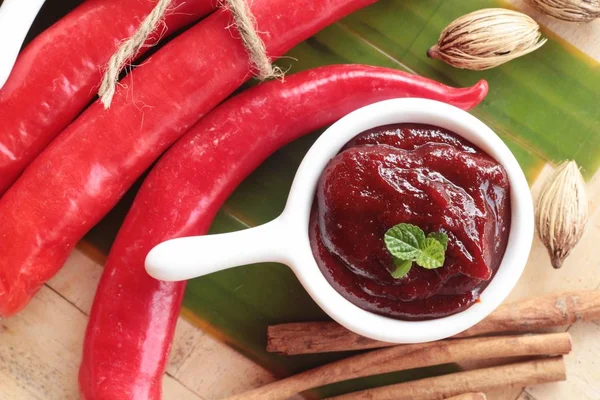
column 561, row 213
column 569, row 10
column 487, row 38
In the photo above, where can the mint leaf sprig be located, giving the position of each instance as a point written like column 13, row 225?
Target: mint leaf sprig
column 408, row 244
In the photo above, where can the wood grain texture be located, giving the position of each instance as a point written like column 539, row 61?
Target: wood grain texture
column 40, row 348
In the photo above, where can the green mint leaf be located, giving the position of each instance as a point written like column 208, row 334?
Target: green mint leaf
column 401, row 268
column 404, row 241
column 432, row 254
column 440, row 237
column 407, row 244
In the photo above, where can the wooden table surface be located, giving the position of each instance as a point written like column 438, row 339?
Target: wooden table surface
column 40, row 348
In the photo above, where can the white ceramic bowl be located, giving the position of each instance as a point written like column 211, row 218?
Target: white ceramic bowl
column 286, row 239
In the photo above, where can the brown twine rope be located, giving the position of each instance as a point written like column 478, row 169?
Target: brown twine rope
column 246, row 25
column 128, row 51
column 243, row 19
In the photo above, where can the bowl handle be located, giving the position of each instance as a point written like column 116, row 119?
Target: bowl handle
column 190, row 257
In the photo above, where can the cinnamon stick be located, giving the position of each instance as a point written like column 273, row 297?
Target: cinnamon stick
column 518, row 374
column 468, row 396
column 400, row 358
column 525, row 316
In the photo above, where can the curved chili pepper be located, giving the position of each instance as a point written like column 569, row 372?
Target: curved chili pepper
column 76, row 180
column 133, row 316
column 57, row 74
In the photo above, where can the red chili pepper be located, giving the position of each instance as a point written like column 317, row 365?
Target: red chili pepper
column 56, row 76
column 72, row 184
column 133, row 317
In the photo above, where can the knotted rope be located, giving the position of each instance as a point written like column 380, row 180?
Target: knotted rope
column 243, row 20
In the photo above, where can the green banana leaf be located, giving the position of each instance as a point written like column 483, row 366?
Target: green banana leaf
column 544, row 106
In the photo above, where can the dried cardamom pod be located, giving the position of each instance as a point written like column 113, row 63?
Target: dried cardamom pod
column 487, row 38
column 569, row 10
column 561, row 213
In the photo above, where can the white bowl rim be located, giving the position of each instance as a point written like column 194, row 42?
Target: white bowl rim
column 297, row 214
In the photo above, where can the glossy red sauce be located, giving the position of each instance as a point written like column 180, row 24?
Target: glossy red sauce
column 417, row 174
